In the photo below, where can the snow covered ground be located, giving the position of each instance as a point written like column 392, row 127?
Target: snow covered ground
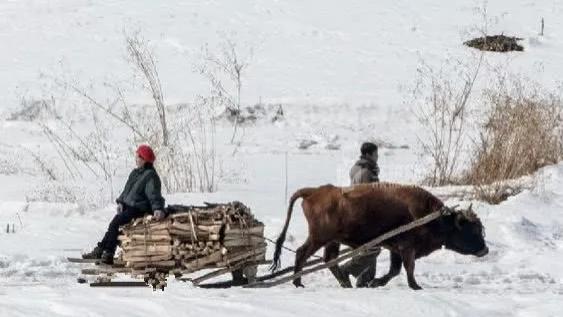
column 338, row 68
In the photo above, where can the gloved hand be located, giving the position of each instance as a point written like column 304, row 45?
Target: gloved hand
column 159, row 214
column 119, row 208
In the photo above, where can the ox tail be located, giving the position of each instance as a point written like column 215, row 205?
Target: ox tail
column 302, row 193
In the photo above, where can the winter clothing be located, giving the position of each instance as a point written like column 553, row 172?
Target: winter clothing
column 109, row 242
column 159, row 214
column 146, row 153
column 141, row 195
column 95, row 254
column 362, row 268
column 142, row 190
column 107, row 258
column 368, row 148
column 365, row 170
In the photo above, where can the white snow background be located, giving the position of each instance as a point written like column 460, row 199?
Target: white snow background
column 339, row 68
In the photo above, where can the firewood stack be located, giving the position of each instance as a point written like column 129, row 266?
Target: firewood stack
column 192, row 238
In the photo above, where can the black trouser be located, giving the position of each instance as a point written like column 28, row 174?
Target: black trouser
column 362, row 268
column 109, row 242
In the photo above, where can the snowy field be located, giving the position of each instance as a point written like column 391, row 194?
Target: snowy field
column 340, row 70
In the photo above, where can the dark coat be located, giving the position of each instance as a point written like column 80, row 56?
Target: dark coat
column 142, row 190
column 364, row 171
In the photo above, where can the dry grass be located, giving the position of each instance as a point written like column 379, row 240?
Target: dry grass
column 522, row 132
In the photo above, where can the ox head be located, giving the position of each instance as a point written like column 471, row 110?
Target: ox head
column 465, row 232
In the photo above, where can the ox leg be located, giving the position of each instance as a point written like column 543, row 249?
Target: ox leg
column 331, row 252
column 408, row 262
column 303, row 253
column 394, row 270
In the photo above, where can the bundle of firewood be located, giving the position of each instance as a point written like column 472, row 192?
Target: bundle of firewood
column 191, row 238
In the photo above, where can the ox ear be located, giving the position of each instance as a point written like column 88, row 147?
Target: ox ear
column 459, row 218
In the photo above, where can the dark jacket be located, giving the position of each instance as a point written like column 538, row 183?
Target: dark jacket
column 364, row 171
column 142, row 190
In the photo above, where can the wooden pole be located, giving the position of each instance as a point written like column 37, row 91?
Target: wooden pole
column 286, row 179
column 542, row 26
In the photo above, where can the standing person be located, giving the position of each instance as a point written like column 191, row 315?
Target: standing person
column 365, row 170
column 141, row 195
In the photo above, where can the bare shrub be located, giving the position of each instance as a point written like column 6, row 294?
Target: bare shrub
column 9, row 164
column 183, row 137
column 186, row 146
column 443, row 98
column 225, row 71
column 522, row 132
column 32, row 109
column 45, row 168
column 8, row 167
column 144, row 60
column 53, row 192
column 83, row 154
column 191, row 160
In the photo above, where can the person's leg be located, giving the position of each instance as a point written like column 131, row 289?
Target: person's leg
column 238, row 277
column 369, row 263
column 331, row 252
column 362, row 267
column 109, row 242
column 97, row 252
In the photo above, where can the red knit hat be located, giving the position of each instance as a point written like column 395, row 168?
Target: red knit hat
column 146, row 153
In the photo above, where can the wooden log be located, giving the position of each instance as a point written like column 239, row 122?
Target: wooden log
column 210, row 222
column 234, row 230
column 146, row 255
column 152, row 237
column 181, row 226
column 160, row 264
column 105, row 270
column 181, row 234
column 201, row 262
column 248, row 241
column 156, row 258
column 148, row 232
column 149, row 226
column 148, row 248
column 209, row 229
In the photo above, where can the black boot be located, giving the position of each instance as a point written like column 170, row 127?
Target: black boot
column 95, row 254
column 107, row 258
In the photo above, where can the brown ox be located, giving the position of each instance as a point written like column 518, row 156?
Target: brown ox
column 356, row 215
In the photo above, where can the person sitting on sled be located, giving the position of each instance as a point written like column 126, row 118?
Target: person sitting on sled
column 141, row 195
